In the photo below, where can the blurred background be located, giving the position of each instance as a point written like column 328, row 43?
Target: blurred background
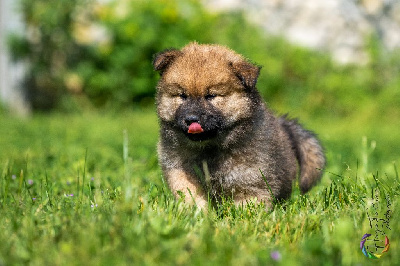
column 333, row 63
column 97, row 53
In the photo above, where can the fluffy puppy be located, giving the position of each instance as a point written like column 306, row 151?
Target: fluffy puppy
column 218, row 138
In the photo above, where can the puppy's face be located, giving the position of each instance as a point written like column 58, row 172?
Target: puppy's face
column 204, row 90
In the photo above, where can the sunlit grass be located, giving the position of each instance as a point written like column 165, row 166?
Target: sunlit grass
column 87, row 190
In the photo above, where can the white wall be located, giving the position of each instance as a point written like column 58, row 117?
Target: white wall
column 10, row 73
column 339, row 27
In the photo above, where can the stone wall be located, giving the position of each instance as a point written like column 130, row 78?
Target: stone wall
column 340, row 27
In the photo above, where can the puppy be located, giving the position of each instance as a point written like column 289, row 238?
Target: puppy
column 217, row 137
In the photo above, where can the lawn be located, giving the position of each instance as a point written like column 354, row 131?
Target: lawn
column 86, row 189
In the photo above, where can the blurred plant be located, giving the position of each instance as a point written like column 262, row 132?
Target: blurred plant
column 100, row 53
column 49, row 48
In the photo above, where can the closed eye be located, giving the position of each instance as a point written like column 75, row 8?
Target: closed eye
column 209, row 97
column 183, row 96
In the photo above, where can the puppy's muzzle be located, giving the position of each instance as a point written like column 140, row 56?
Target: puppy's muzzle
column 189, row 119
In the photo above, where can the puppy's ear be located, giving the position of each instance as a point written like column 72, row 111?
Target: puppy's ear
column 246, row 72
column 163, row 60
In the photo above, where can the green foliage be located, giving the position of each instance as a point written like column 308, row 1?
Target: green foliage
column 85, row 53
column 75, row 189
column 49, row 47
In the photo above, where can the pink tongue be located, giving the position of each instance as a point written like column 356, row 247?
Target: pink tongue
column 195, row 128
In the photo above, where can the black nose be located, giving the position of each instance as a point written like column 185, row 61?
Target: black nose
column 191, row 119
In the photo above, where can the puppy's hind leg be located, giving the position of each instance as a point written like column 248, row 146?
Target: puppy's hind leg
column 257, row 196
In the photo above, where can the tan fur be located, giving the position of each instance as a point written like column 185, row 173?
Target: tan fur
column 179, row 180
column 241, row 142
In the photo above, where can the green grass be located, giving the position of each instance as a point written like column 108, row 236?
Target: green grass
column 86, row 189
